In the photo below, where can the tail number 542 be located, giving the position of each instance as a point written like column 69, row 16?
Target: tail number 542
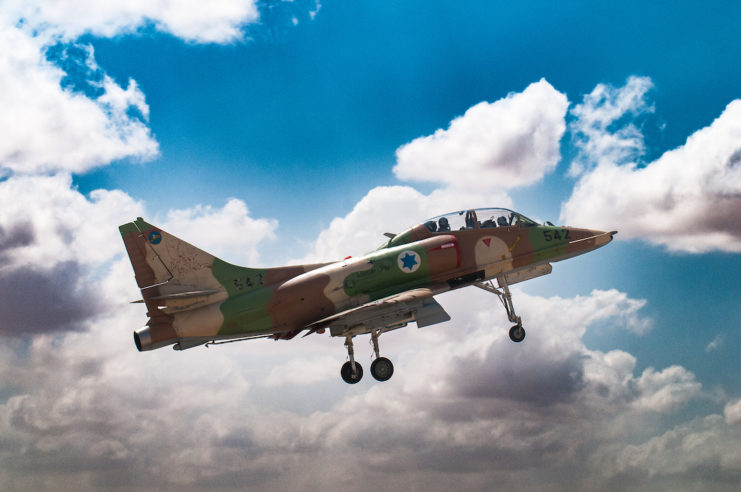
column 557, row 234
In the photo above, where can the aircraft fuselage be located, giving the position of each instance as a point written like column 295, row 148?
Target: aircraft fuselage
column 193, row 297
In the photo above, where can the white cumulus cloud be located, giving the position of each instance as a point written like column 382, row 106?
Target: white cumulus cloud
column 61, row 223
column 687, row 200
column 511, row 142
column 51, row 125
column 601, row 109
column 732, row 412
column 228, row 232
column 187, row 19
column 701, row 454
column 47, row 128
column 665, row 390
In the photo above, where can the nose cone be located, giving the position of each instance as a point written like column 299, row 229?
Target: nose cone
column 601, row 237
column 585, row 240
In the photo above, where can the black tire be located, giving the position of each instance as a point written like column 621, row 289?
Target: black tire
column 347, row 374
column 382, row 369
column 517, row 333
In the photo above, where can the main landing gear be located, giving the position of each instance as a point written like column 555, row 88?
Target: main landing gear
column 381, row 369
column 517, row 332
column 351, row 371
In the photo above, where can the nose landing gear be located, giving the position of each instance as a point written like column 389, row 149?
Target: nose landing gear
column 517, row 332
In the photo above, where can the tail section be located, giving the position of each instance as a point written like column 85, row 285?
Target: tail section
column 184, row 289
column 176, row 281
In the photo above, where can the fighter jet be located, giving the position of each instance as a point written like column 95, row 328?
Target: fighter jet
column 194, row 298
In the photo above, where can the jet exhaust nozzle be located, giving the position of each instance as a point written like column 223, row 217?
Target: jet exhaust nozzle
column 143, row 339
column 154, row 337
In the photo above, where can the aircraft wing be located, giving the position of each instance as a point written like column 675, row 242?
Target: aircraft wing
column 388, row 313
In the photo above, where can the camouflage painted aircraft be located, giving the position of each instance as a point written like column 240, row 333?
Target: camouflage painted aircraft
column 194, row 298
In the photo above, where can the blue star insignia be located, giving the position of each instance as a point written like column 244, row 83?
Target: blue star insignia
column 409, row 261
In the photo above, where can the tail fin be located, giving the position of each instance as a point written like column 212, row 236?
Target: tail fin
column 183, row 286
column 159, row 257
column 173, row 275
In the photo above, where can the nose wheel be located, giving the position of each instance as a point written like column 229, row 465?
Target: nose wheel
column 517, row 333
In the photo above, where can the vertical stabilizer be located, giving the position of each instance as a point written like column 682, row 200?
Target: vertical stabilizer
column 173, row 275
column 159, row 257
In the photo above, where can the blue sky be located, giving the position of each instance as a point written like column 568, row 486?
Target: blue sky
column 298, row 131
column 333, row 98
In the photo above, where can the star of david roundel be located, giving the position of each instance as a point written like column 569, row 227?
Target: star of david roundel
column 408, row 261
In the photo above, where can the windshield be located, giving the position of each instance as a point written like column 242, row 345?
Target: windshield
column 454, row 221
column 501, row 217
column 480, row 218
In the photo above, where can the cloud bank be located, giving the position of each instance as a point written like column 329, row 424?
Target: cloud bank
column 687, row 200
column 466, row 409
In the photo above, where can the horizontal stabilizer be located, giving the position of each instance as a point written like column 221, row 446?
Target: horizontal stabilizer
column 180, row 295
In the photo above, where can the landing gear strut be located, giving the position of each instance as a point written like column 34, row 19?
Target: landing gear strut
column 517, row 332
column 351, row 371
column 381, row 369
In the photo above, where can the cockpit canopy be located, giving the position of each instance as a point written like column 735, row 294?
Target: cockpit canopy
column 464, row 220
column 479, row 218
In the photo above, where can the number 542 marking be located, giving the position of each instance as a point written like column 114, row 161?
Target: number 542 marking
column 557, row 234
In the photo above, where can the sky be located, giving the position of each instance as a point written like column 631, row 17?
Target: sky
column 270, row 133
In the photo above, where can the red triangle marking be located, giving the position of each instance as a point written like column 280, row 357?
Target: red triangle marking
column 487, row 241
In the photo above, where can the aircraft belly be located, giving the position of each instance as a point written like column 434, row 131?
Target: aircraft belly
column 389, row 315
